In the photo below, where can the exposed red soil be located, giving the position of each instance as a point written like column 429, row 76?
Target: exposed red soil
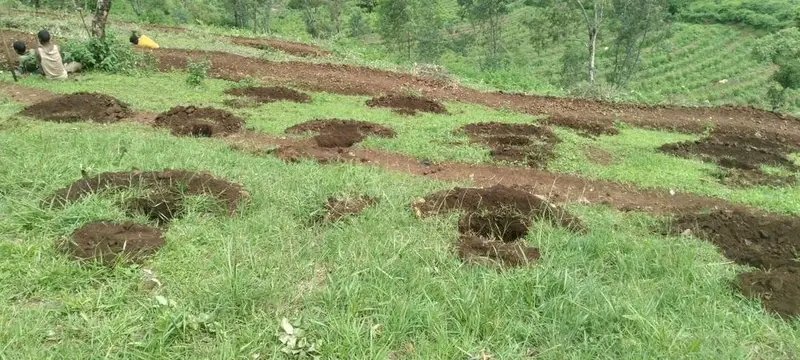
column 528, row 144
column 778, row 289
column 339, row 208
column 353, row 80
column 289, row 47
column 174, row 181
column 111, row 243
column 482, row 251
column 200, row 122
column 407, row 104
column 742, row 154
column 261, row 95
column 338, row 133
column 79, row 107
column 585, row 125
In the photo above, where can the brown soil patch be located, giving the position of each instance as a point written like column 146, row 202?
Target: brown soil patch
column 200, row 122
column 337, row 209
column 599, row 156
column 291, row 48
column 742, row 154
column 585, row 125
column 529, row 144
column 337, row 133
column 172, row 181
column 779, row 289
column 763, row 241
column 262, row 95
column 109, row 243
column 79, row 107
column 354, row 80
column 159, row 206
column 495, row 222
column 407, row 104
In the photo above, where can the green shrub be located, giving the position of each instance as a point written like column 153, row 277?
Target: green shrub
column 110, row 54
column 761, row 14
column 198, row 72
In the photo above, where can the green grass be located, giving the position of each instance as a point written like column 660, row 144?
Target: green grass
column 381, row 283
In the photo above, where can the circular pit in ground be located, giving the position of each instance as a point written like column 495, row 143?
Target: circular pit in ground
column 109, row 243
column 199, row 122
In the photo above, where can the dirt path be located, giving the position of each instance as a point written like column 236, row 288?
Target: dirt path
column 354, row 80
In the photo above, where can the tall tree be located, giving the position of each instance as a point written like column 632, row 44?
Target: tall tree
column 396, row 24
column 593, row 15
column 488, row 16
column 635, row 23
column 101, row 18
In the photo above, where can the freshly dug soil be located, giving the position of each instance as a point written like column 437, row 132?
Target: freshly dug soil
column 291, row 48
column 499, row 200
column 407, row 104
column 519, row 143
column 109, row 243
column 270, row 94
column 477, row 250
column 586, row 126
column 742, row 154
column 159, row 206
column 174, row 181
column 778, row 290
column 337, row 133
column 505, row 225
column 762, row 241
column 200, row 122
column 337, row 209
column 80, row 106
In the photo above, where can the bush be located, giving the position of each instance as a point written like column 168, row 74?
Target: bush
column 198, row 72
column 761, row 14
column 109, row 54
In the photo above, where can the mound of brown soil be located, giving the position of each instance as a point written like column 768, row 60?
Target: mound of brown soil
column 495, row 222
column 407, row 104
column 586, row 126
column 743, row 155
column 478, row 250
column 291, row 48
column 763, row 241
column 270, row 94
column 779, row 289
column 110, row 243
column 521, row 143
column 80, row 107
column 201, row 122
column 336, row 133
column 160, row 206
column 337, row 209
column 172, row 181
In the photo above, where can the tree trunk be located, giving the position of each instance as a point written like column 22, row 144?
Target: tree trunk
column 592, row 53
column 101, row 18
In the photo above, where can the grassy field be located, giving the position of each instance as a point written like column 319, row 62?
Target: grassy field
column 381, row 285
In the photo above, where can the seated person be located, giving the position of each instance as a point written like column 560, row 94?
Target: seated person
column 50, row 60
column 143, row 41
column 28, row 63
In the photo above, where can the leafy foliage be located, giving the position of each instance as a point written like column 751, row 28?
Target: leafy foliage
column 198, row 72
column 111, row 54
column 760, row 14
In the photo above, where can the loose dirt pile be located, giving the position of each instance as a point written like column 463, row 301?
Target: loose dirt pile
column 160, row 206
column 165, row 185
column 768, row 242
column 291, row 48
column 80, row 106
column 111, row 243
column 779, row 289
column 518, row 143
column 8, row 58
column 337, row 209
column 495, row 221
column 200, row 122
column 586, row 125
column 263, row 95
column 407, row 104
column 742, row 156
column 337, row 133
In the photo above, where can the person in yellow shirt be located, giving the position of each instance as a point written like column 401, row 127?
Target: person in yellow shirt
column 143, row 41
